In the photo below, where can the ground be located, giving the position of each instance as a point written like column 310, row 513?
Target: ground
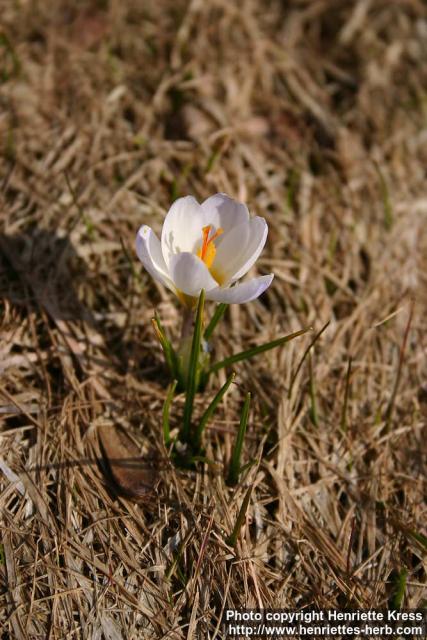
column 314, row 113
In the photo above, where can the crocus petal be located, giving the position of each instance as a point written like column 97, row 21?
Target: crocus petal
column 190, row 274
column 149, row 251
column 239, row 249
column 223, row 212
column 239, row 293
column 182, row 228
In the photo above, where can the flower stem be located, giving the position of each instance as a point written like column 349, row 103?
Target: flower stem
column 193, row 371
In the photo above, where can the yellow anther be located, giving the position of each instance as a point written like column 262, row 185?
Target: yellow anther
column 208, row 249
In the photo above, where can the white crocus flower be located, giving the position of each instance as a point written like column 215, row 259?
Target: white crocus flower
column 208, row 246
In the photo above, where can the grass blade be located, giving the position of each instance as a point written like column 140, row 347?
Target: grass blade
column 234, row 470
column 399, row 589
column 249, row 353
column 166, row 409
column 193, row 372
column 385, row 193
column 232, row 540
column 166, row 345
column 211, row 408
column 219, row 312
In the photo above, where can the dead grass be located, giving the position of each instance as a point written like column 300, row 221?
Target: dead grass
column 314, row 113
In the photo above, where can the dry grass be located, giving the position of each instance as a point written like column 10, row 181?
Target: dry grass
column 314, row 113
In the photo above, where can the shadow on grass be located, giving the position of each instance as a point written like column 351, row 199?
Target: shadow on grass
column 41, row 272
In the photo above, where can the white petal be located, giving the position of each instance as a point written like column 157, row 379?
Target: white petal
column 222, row 211
column 239, row 293
column 182, row 228
column 190, row 274
column 239, row 249
column 149, row 252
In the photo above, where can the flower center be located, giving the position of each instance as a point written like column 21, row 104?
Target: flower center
column 208, row 249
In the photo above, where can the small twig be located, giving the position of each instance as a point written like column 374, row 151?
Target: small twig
column 346, row 395
column 301, row 362
column 390, row 408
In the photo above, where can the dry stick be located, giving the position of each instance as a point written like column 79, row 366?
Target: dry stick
column 11, row 399
column 74, row 197
column 390, row 408
column 313, row 408
column 301, row 362
column 346, row 395
column 203, row 546
column 350, row 545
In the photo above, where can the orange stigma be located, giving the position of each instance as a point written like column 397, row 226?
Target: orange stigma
column 208, row 250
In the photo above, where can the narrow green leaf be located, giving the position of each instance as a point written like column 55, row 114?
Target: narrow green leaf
column 166, row 409
column 219, row 312
column 249, row 353
column 212, row 160
column 399, row 589
column 301, row 362
column 234, row 470
column 420, row 538
column 387, row 205
column 292, row 190
column 211, row 408
column 166, row 345
column 193, row 372
column 248, row 465
column 232, row 540
column 10, row 50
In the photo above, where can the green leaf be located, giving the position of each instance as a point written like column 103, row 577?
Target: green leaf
column 166, row 345
column 232, row 540
column 6, row 44
column 249, row 353
column 211, row 408
column 166, row 409
column 420, row 538
column 219, row 312
column 234, row 470
column 293, row 181
column 385, row 193
column 399, row 589
column 193, row 370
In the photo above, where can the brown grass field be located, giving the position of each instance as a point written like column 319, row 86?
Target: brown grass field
column 314, row 113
